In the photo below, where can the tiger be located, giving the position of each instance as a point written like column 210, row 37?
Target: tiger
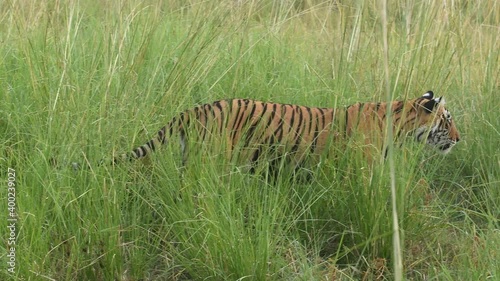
column 249, row 128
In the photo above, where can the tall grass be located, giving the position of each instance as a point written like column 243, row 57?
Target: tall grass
column 81, row 81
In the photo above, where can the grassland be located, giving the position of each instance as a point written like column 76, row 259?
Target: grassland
column 83, row 80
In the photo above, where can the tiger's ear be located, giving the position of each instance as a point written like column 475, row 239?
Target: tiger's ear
column 441, row 100
column 428, row 95
column 431, row 104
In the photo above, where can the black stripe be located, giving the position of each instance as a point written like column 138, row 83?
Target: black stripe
column 252, row 112
column 292, row 120
column 254, row 160
column 419, row 135
column 238, row 109
column 322, row 113
column 242, row 123
column 397, row 110
column 221, row 111
column 310, row 119
column 273, row 114
column 205, row 127
column 233, row 128
column 151, row 145
column 253, row 126
column 217, row 104
column 346, row 121
column 279, row 131
column 409, row 120
column 211, row 109
column 181, row 122
column 197, row 113
column 399, row 107
column 242, row 115
column 271, row 140
column 207, row 112
column 265, row 130
column 249, row 117
column 256, row 155
column 316, row 133
column 360, row 111
column 161, row 135
column 139, row 152
column 298, row 132
column 171, row 126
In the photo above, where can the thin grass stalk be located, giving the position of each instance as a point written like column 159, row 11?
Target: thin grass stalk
column 397, row 263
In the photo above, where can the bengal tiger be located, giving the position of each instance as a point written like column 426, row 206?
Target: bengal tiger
column 249, row 129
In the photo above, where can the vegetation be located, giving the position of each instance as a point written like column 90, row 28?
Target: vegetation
column 83, row 80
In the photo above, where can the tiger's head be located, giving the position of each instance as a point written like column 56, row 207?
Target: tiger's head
column 434, row 123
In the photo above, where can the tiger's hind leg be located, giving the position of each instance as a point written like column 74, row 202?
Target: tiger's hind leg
column 302, row 175
column 255, row 160
column 274, row 167
column 269, row 171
